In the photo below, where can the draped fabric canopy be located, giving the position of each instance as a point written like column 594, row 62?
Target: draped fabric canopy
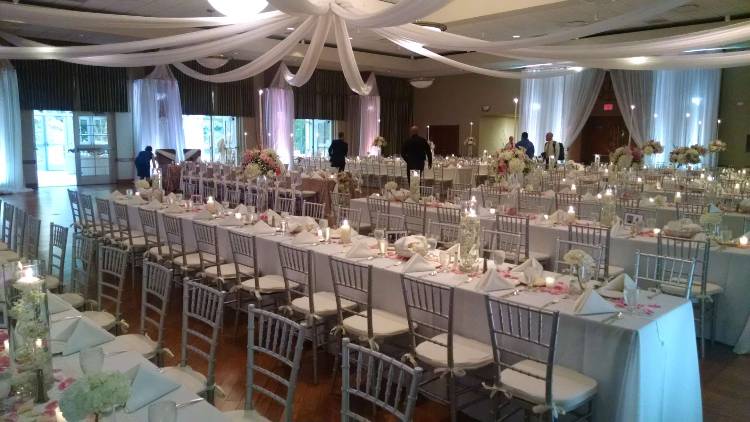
column 634, row 91
column 11, row 175
column 278, row 116
column 157, row 112
column 364, row 119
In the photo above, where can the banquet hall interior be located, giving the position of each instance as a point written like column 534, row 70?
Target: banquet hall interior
column 375, row 210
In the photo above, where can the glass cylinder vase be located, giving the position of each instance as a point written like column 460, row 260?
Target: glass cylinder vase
column 28, row 330
column 468, row 236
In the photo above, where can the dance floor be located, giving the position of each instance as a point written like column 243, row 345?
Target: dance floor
column 725, row 376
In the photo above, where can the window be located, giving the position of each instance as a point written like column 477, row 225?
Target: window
column 207, row 132
column 312, row 137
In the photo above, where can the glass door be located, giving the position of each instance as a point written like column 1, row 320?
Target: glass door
column 93, row 149
column 54, row 141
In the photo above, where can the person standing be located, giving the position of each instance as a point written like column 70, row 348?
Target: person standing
column 526, row 144
column 143, row 163
column 337, row 152
column 415, row 151
column 511, row 145
column 553, row 151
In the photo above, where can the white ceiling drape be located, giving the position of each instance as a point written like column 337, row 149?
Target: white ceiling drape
column 157, row 112
column 580, row 91
column 11, row 175
column 400, row 13
column 635, row 88
column 364, row 118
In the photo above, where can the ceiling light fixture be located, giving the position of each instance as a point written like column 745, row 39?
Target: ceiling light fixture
column 516, row 36
column 213, row 62
column 421, row 83
column 432, row 26
column 238, row 8
column 638, row 60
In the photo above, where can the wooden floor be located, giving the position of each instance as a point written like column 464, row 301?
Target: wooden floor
column 725, row 376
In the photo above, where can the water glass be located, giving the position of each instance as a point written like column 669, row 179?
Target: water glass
column 129, row 192
column 431, row 243
column 444, row 259
column 379, row 234
column 163, row 411
column 91, row 360
column 631, row 299
column 498, row 257
column 651, row 223
column 726, row 235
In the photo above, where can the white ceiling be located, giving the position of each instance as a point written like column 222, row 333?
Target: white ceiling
column 486, row 19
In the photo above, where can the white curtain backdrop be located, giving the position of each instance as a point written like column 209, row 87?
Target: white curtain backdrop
column 278, row 116
column 580, row 91
column 686, row 103
column 540, row 108
column 636, row 88
column 11, row 175
column 364, row 119
column 157, row 112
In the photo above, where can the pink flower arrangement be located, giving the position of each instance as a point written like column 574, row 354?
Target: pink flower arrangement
column 261, row 163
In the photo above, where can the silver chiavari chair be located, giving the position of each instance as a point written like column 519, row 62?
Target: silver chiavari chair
column 664, row 273
column 520, row 225
column 510, row 243
column 596, row 252
column 702, row 291
column 426, row 191
column 182, row 259
column 281, row 340
column 445, row 233
column 690, row 211
column 107, row 224
column 130, row 240
column 389, row 222
column 563, row 201
column 30, row 243
column 379, row 379
column 449, row 215
column 88, row 214
column 155, row 294
column 693, row 198
column 457, row 195
column 75, row 209
column 353, row 216
column 113, row 264
column 490, row 195
column 19, row 228
column 415, row 217
column 377, row 206
column 82, row 266
column 524, row 341
column 443, row 180
column 6, row 231
column 212, row 266
column 314, row 210
column 58, row 246
column 429, row 312
column 202, row 318
column 601, row 236
column 232, row 195
column 287, row 205
column 209, row 190
column 532, row 202
column 155, row 248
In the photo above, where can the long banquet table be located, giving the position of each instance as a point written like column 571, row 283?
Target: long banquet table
column 646, row 366
column 728, row 266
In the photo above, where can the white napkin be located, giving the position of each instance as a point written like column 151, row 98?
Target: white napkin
column 230, row 221
column 408, row 245
column 203, row 215
column 241, row 208
column 297, row 224
column 360, row 250
column 417, row 264
column 172, row 196
column 305, row 238
column 174, row 209
column 557, row 217
column 261, row 227
column 529, row 271
column 148, row 385
column 620, row 283
column 492, row 280
column 153, row 205
column 548, row 193
column 591, row 302
column 274, row 219
column 56, row 304
column 588, row 197
column 116, row 194
column 81, row 335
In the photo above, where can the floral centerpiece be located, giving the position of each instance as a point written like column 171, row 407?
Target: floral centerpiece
column 652, row 147
column 379, row 142
column 581, row 264
column 685, row 155
column 346, row 183
column 700, row 149
column 626, row 156
column 95, row 394
column 142, row 184
column 511, row 162
column 259, row 162
column 717, row 145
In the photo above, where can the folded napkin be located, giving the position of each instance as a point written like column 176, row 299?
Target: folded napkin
column 620, row 283
column 417, row 264
column 492, row 280
column 588, row 197
column 172, row 196
column 174, row 209
column 529, row 271
column 408, row 245
column 261, row 227
column 230, row 221
column 241, row 208
column 297, row 224
column 147, row 386
column 203, row 215
column 548, row 193
column 56, row 304
column 360, row 250
column 153, row 205
column 557, row 217
column 274, row 219
column 80, row 335
column 115, row 194
column 305, row 238
column 591, row 302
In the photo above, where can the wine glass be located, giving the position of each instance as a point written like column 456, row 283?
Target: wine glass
column 498, row 257
column 431, row 243
column 631, row 299
column 91, row 360
column 163, row 411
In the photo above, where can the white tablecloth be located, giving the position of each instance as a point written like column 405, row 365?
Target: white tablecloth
column 647, row 367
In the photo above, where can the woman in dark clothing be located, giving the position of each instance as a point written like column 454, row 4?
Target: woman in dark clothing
column 143, row 163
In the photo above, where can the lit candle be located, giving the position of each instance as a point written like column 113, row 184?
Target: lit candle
column 38, row 343
column 545, row 217
column 639, row 180
column 608, row 192
column 549, row 281
column 211, row 205
column 677, row 197
column 703, row 176
column 737, row 187
column 743, row 241
column 6, row 346
column 651, row 200
column 570, row 217
column 138, row 194
column 657, row 231
column 492, row 211
column 28, row 279
column 606, row 171
column 573, row 187
column 238, row 216
column 599, row 196
column 346, row 232
column 563, row 180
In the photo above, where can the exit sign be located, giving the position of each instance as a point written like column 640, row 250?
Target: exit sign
column 609, row 107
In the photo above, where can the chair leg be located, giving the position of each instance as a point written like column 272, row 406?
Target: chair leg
column 337, row 355
column 237, row 311
column 452, row 397
column 314, row 333
column 713, row 321
column 703, row 328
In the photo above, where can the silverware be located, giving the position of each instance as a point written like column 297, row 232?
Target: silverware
column 67, row 318
column 611, row 319
column 515, row 292
column 189, row 403
column 551, row 302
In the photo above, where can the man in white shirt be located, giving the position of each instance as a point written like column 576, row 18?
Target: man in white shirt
column 552, row 151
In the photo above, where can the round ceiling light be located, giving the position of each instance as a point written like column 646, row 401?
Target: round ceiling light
column 213, row 62
column 432, row 26
column 238, row 8
column 421, row 82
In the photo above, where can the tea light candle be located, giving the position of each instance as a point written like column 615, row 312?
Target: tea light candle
column 651, row 200
column 570, row 217
column 492, row 211
column 608, row 192
column 703, row 176
column 657, row 231
column 38, row 343
column 606, row 171
column 211, row 205
column 677, row 197
column 138, row 194
column 743, row 241
column 599, row 196
column 573, row 187
column 238, row 216
column 737, row 187
column 549, row 281
column 346, row 232
column 545, row 217
column 639, row 180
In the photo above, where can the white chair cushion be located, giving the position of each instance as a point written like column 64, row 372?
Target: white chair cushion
column 324, row 303
column 193, row 381
column 569, row 388
column 76, row 300
column 467, row 353
column 159, row 251
column 228, row 270
column 51, row 282
column 8, row 256
column 384, row 324
column 267, row 284
column 137, row 343
column 101, row 318
column 712, row 289
column 245, row 416
column 193, row 260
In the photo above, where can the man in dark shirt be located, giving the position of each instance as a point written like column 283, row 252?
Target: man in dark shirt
column 526, row 144
column 415, row 151
column 337, row 152
column 143, row 163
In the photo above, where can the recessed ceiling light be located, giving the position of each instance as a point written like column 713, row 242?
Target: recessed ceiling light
column 516, row 36
column 291, row 28
column 638, row 60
